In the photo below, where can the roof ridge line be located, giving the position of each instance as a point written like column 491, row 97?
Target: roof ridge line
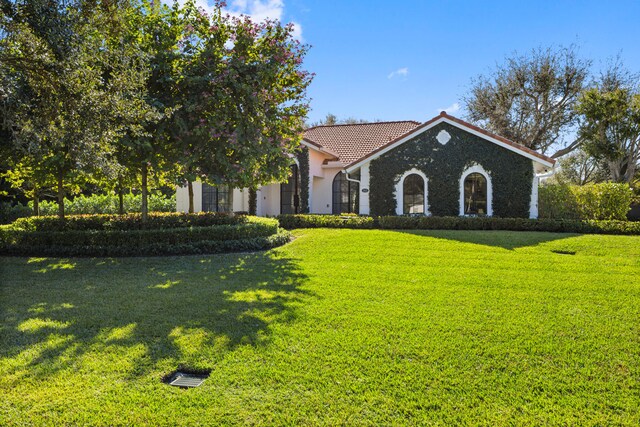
column 361, row 124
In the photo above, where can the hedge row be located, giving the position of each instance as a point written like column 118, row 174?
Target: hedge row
column 603, row 201
column 170, row 236
column 291, row 222
column 460, row 223
column 190, row 248
column 155, row 220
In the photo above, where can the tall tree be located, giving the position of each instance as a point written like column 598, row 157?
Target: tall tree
column 530, row 98
column 243, row 99
column 76, row 88
column 611, row 125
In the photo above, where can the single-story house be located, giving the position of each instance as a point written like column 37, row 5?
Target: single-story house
column 444, row 166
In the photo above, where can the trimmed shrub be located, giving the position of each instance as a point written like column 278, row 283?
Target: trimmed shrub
column 107, row 204
column 604, row 201
column 290, row 222
column 156, row 248
column 156, row 220
column 107, row 235
column 461, row 223
column 511, row 224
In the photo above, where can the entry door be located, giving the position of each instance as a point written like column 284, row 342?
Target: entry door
column 290, row 193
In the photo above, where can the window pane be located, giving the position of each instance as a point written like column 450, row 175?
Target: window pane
column 216, row 198
column 413, row 194
column 288, row 192
column 475, row 194
column 345, row 194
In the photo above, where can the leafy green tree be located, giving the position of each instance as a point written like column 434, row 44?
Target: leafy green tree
column 143, row 150
column 611, row 126
column 78, row 88
column 530, row 98
column 243, row 99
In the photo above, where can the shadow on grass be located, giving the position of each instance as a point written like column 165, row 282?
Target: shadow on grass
column 142, row 312
column 499, row 238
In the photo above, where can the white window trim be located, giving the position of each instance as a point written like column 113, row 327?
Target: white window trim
column 477, row 169
column 399, row 193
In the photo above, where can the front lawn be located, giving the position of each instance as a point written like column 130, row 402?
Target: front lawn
column 338, row 327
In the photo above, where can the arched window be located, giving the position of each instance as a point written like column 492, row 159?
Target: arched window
column 345, row 194
column 475, row 194
column 290, row 192
column 216, row 198
column 413, row 194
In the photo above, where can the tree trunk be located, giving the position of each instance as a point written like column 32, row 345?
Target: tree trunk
column 253, row 201
column 190, row 188
column 120, row 196
column 36, row 202
column 60, row 197
column 145, row 207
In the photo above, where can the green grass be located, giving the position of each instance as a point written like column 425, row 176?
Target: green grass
column 339, row 327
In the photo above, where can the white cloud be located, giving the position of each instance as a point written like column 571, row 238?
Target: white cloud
column 258, row 10
column 402, row 72
column 453, row 108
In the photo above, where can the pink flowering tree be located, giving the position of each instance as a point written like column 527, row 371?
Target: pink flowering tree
column 243, row 96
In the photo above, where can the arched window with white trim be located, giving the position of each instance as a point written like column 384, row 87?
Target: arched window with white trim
column 476, row 192
column 411, row 193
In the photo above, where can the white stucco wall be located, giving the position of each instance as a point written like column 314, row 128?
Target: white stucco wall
column 182, row 198
column 364, row 189
column 268, row 200
column 240, row 200
column 323, row 191
column 533, row 205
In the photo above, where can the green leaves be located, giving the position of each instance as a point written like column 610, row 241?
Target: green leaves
column 611, row 126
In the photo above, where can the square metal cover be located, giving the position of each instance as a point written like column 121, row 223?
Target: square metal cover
column 181, row 379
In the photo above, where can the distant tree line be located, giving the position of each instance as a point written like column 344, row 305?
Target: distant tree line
column 113, row 94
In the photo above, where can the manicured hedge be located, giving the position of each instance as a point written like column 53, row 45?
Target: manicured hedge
column 460, row 223
column 156, row 220
column 330, row 221
column 157, row 248
column 101, row 236
column 603, row 201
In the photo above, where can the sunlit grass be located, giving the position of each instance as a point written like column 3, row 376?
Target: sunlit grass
column 339, row 327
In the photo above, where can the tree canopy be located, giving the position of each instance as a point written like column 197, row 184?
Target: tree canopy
column 531, row 98
column 611, row 127
column 119, row 91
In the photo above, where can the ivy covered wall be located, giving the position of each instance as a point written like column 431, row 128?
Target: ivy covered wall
column 303, row 161
column 511, row 174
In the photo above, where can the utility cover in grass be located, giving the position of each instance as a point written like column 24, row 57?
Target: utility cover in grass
column 185, row 380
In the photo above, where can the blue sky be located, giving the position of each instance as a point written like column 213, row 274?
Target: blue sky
column 406, row 60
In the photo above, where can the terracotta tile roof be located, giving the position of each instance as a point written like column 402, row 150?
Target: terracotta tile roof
column 516, row 146
column 352, row 142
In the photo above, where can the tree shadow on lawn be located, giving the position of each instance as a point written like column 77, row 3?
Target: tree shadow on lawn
column 150, row 311
column 509, row 240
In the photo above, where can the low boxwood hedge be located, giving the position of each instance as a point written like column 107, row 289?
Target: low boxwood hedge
column 93, row 237
column 155, row 220
column 157, row 248
column 460, row 223
column 291, row 222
